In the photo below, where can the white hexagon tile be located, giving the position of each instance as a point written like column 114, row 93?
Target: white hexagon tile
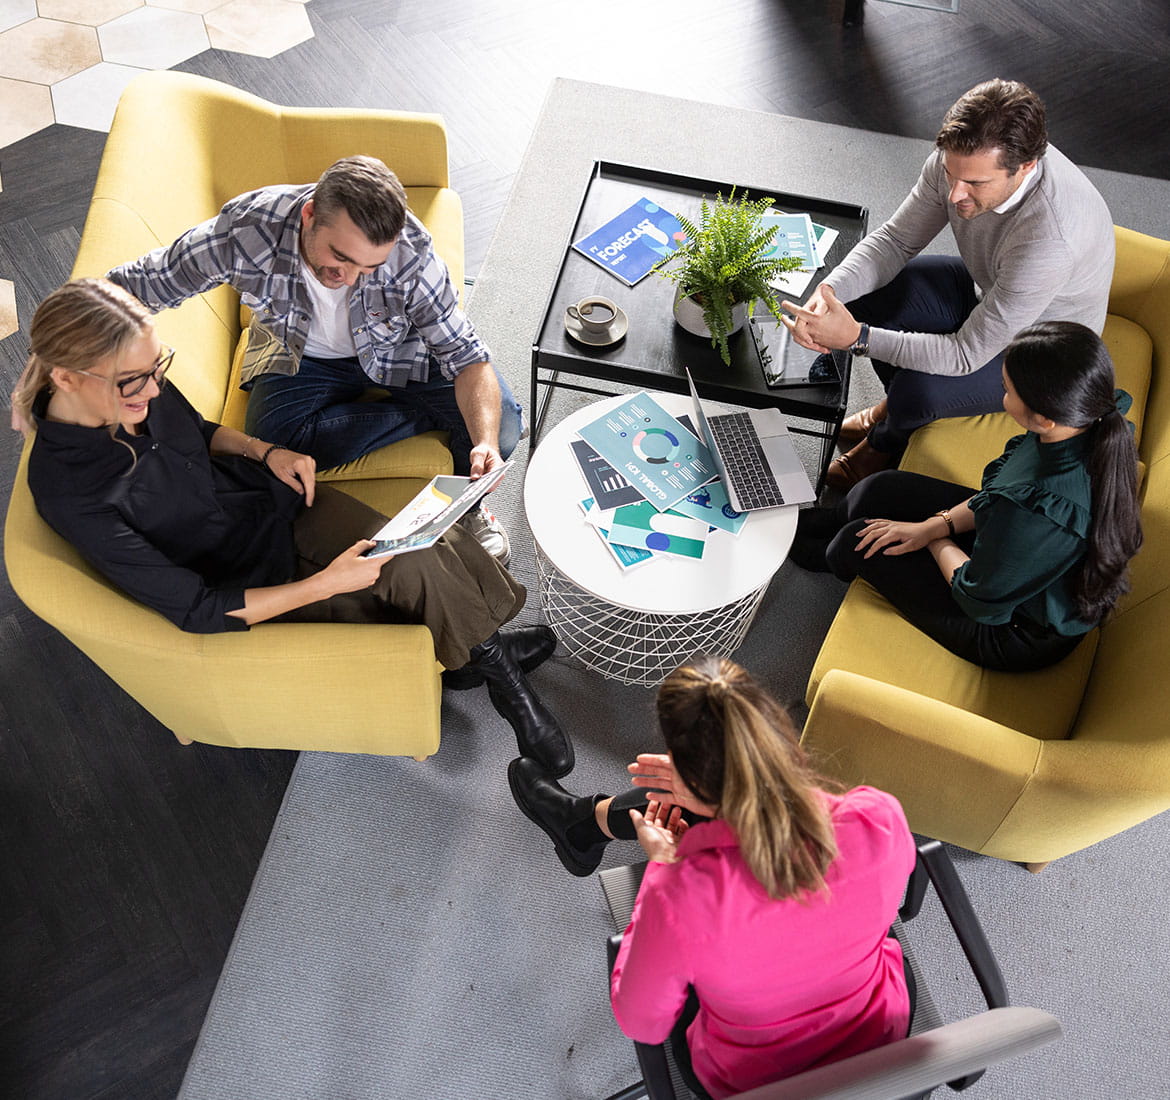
column 68, row 60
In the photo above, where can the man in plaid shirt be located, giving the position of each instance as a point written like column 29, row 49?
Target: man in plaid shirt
column 346, row 294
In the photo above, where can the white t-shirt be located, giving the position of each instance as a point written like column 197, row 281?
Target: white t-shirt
column 330, row 335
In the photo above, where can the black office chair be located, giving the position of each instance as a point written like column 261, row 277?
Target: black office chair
column 933, row 1054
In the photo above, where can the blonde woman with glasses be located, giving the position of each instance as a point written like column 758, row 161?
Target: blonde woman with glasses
column 217, row 530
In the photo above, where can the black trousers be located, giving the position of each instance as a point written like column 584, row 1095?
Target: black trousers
column 915, row 586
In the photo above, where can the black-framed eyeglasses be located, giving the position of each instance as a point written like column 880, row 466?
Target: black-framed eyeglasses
column 136, row 383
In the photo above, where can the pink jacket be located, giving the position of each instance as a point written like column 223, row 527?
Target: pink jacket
column 783, row 985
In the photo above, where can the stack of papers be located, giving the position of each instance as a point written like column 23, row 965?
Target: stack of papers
column 652, row 484
column 798, row 235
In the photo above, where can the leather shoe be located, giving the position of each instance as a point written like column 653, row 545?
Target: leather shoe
column 855, row 428
column 851, row 467
column 528, row 646
column 538, row 733
column 547, row 804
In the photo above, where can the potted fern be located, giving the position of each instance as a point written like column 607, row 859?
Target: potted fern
column 726, row 265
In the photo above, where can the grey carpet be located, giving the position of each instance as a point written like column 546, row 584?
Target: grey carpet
column 410, row 934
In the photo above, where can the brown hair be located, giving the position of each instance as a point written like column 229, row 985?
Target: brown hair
column 368, row 192
column 75, row 327
column 737, row 750
column 1004, row 115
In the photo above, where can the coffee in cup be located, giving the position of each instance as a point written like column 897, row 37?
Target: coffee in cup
column 594, row 314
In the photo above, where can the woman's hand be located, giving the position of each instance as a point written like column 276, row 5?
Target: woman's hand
column 659, row 831
column 656, row 771
column 294, row 469
column 350, row 572
column 893, row 537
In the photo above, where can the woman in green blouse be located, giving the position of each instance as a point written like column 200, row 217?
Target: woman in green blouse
column 1013, row 576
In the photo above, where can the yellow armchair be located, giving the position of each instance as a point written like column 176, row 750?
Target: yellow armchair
column 1023, row 766
column 180, row 146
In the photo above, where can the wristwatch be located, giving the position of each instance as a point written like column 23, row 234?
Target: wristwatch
column 861, row 347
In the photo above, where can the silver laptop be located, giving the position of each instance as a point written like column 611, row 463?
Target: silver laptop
column 755, row 456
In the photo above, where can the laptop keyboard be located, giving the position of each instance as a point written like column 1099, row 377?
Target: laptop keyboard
column 743, row 457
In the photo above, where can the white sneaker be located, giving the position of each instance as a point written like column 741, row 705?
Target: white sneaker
column 489, row 532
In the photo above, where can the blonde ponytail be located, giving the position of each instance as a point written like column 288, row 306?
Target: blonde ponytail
column 76, row 326
column 736, row 748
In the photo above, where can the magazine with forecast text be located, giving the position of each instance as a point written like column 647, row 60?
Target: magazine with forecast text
column 631, row 244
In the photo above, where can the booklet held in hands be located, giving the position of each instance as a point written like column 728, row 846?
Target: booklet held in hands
column 439, row 505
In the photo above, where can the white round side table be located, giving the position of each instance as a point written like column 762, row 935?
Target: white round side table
column 637, row 626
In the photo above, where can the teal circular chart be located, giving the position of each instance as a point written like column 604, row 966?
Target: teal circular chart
column 655, row 446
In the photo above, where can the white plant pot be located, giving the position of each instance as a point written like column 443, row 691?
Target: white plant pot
column 689, row 314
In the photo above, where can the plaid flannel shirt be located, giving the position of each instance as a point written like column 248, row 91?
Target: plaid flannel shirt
column 404, row 316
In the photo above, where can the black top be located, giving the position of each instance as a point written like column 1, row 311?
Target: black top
column 181, row 531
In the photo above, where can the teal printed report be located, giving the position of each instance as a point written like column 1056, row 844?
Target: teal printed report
column 630, row 245
column 642, row 527
column 651, row 450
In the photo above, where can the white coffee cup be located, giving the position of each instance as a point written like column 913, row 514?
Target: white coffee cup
column 594, row 314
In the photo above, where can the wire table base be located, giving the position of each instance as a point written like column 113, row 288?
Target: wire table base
column 637, row 647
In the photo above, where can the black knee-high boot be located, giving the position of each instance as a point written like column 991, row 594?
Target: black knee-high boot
column 538, row 733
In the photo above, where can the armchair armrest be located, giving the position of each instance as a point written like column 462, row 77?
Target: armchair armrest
column 652, row 1061
column 969, row 932
column 933, row 757
column 911, row 1066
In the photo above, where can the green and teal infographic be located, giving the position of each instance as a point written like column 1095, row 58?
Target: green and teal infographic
column 651, row 450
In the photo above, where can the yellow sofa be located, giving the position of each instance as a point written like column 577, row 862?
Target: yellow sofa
column 179, row 147
column 1025, row 766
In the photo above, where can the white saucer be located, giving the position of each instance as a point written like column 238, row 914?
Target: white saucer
column 617, row 330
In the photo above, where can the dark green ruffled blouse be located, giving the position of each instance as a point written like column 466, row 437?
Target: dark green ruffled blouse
column 1032, row 520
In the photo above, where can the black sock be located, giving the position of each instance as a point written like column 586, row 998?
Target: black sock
column 586, row 832
column 617, row 818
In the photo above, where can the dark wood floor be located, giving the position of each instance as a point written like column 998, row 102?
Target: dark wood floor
column 125, row 858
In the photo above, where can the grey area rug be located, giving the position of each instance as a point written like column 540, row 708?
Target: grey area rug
column 410, row 934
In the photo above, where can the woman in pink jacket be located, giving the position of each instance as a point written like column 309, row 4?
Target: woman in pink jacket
column 761, row 927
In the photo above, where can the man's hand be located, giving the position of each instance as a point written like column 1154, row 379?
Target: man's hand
column 484, row 459
column 294, row 469
column 660, row 831
column 824, row 324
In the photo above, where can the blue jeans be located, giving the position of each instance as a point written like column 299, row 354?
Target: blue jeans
column 318, row 411
column 930, row 294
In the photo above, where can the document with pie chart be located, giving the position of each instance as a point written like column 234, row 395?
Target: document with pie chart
column 651, row 450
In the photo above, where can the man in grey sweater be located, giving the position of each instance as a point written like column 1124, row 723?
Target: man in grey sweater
column 1035, row 243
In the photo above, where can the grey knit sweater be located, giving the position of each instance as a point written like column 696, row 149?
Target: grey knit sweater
column 1049, row 258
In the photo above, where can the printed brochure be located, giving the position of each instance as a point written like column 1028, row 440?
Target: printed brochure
column 439, row 504
column 630, row 245
column 643, row 527
column 625, row 556
column 651, row 450
column 608, row 487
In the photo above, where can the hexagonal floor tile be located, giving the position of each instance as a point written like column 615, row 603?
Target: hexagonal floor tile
column 89, row 98
column 261, row 28
column 199, row 7
column 153, row 38
column 27, row 109
column 91, row 12
column 44, row 51
column 8, row 321
column 15, row 12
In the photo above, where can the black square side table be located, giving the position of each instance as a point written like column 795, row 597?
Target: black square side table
column 655, row 352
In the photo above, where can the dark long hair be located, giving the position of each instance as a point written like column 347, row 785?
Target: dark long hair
column 1061, row 370
column 737, row 750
